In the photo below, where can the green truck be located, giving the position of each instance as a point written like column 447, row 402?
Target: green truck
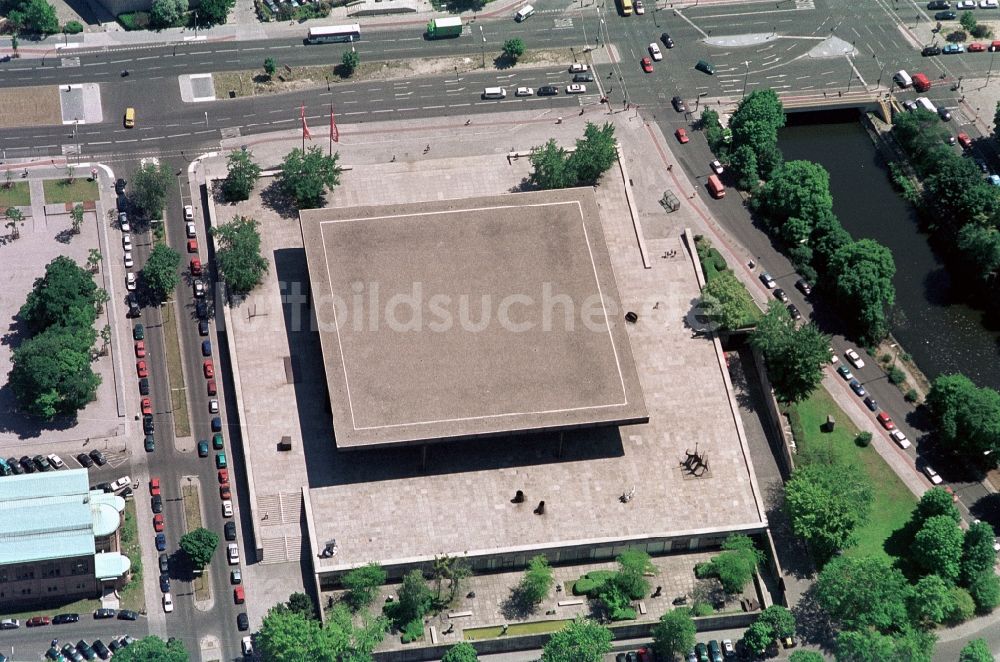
column 444, row 27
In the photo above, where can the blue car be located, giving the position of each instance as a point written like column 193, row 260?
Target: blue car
column 951, row 49
column 216, row 424
column 858, row 389
column 206, row 347
column 161, row 542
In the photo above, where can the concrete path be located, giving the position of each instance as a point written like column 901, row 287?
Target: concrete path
column 37, row 205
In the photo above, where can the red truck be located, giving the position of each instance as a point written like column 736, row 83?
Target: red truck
column 921, row 83
column 715, row 187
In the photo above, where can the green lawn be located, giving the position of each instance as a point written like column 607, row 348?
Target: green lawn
column 58, row 190
column 132, row 596
column 82, row 607
column 535, row 627
column 18, row 195
column 893, row 501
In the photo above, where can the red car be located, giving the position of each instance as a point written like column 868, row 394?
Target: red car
column 886, row 421
column 192, row 245
column 147, row 407
column 965, row 141
column 195, row 266
column 223, row 476
column 140, row 369
column 35, row 621
column 647, row 65
column 158, row 523
column 238, row 595
column 225, row 492
column 211, row 387
column 154, row 486
column 140, row 349
column 976, row 47
column 208, row 368
column 682, row 136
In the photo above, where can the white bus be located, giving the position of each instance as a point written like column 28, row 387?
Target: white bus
column 334, row 33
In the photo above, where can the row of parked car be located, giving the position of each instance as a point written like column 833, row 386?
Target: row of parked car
column 84, row 651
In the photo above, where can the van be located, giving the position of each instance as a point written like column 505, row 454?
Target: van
column 925, row 103
column 495, row 93
column 994, row 47
column 716, row 187
column 921, row 83
column 523, row 13
column 902, row 79
column 129, row 118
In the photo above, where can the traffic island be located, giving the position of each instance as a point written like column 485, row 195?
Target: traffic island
column 192, row 521
column 175, row 375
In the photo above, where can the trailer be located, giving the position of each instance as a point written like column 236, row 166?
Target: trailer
column 444, row 27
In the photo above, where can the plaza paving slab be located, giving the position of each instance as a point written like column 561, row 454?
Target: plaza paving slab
column 467, row 318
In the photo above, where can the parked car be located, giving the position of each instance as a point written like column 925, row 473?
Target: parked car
column 547, row 90
column 678, row 104
column 655, row 52
column 768, row 280
column 934, row 477
column 235, row 576
column 168, row 603
column 871, row 403
column 102, row 651
column 127, row 615
column 646, row 64
column 98, row 457
column 845, row 372
column 164, row 584
column 202, row 327
column 886, row 420
column 233, row 553
column 217, row 441
column 964, row 140
column 138, row 332
column 156, row 503
column 227, row 508
column 899, row 438
column 239, row 596
column 854, row 358
column 945, row 16
column 149, row 443
column 36, row 621
column 158, row 523
column 230, row 530
column 208, row 369
column 802, row 285
column 524, row 92
column 667, row 41
column 584, row 78
column 953, row 49
column 576, row 88
column 60, row 619
column 858, row 389
column 716, row 167
column 203, row 448
column 242, row 622
column 84, row 460
column 161, row 542
column 682, row 136
column 794, row 312
column 577, row 67
column 780, row 295
column 140, row 369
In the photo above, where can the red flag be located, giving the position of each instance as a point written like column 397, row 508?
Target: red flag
column 334, row 133
column 305, row 127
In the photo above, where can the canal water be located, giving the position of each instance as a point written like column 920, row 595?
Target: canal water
column 941, row 333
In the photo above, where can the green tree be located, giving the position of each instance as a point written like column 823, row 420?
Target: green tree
column 242, row 174
column 153, row 649
column 453, row 569
column 349, row 63
column 957, row 194
column 962, row 606
column 976, row 650
column 934, row 502
column 167, row 13
column 743, row 163
column 758, row 637
column 985, row 591
column 105, row 338
column 862, row 274
column 862, row 592
column 536, row 582
column 94, row 259
column 36, row 17
column 797, row 194
column 52, row 374
column 270, row 66
column 461, row 652
column 64, row 296
column 795, row 356
column 552, row 167
column 160, row 272
column 305, row 176
column 977, row 550
column 726, row 301
column 14, row 221
column 966, row 418
column 214, row 12
column 73, row 27
column 633, row 566
column 595, row 153
column 780, row 620
column 583, row 640
column 755, row 126
column 674, row 634
column 199, row 545
column 301, row 603
column 513, row 48
column 871, row 646
column 805, row 656
column 76, row 218
column 287, row 636
column 735, row 565
column 827, row 504
column 101, row 297
column 415, row 598
column 362, row 585
column 931, row 601
column 238, row 256
column 150, row 184
column 968, row 21
column 980, row 248
column 14, row 40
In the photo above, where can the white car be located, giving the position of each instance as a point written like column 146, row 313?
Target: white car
column 899, row 438
column 188, row 213
column 121, row 483
column 127, row 242
column 988, row 4
column 247, row 644
column 123, row 223
column 966, row 4
column 213, row 406
column 227, row 508
column 189, row 228
column 128, row 260
column 716, row 167
column 933, row 475
column 833, row 356
column 854, row 358
column 130, row 281
column 168, row 603
column 768, row 280
column 575, row 88
column 577, row 67
column 524, row 92
column 654, row 50
column 639, row 9
column 199, row 289
column 233, row 554
column 56, row 461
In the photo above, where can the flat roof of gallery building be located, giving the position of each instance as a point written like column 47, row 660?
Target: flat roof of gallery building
column 469, row 318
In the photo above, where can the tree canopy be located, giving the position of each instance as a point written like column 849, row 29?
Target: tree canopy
column 976, row 650
column 214, row 12
column 794, row 197
column 755, row 127
column 872, row 646
column 978, row 555
column 726, row 301
column 583, row 640
column 167, row 13
column 513, row 48
column 160, row 273
column 52, row 374
column 64, row 296
column 461, row 652
column 795, row 355
column 153, row 649
column 305, row 176
column 537, row 581
column 862, row 592
column 150, row 183
column 290, row 636
column 966, row 418
column 551, row 167
column 735, row 565
column 362, row 585
column 33, row 16
column 594, row 154
column 861, row 273
column 826, row 505
column 199, row 545
column 243, row 172
column 238, row 256
column 674, row 634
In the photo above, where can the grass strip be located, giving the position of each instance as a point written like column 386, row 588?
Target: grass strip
column 18, row 195
column 192, row 521
column 59, row 190
column 535, row 627
column 132, row 596
column 175, row 373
